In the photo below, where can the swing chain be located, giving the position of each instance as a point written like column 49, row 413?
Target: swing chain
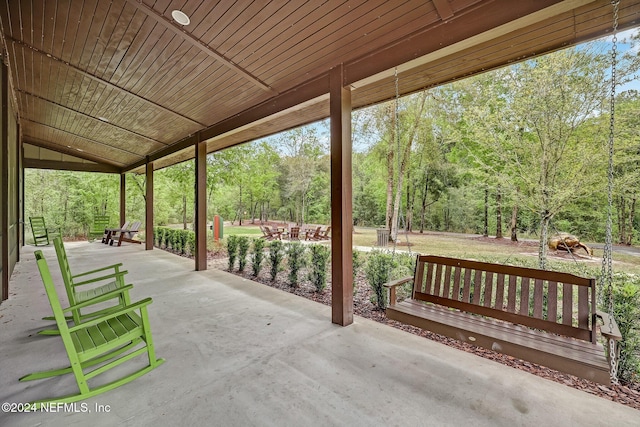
column 607, row 262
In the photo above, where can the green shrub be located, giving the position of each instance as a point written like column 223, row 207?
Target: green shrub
column 358, row 261
column 257, row 256
column 232, row 250
column 295, row 260
column 378, row 272
column 320, row 255
column 164, row 242
column 626, row 311
column 191, row 242
column 171, row 239
column 243, row 249
column 276, row 255
column 184, row 238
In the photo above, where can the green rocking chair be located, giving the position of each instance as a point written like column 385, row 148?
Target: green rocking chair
column 97, row 345
column 100, row 224
column 41, row 234
column 108, row 284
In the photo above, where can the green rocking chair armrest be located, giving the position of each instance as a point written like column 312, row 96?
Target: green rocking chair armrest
column 109, row 267
column 117, row 275
column 100, row 298
column 128, row 309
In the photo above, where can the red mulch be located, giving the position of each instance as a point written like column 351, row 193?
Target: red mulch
column 627, row 394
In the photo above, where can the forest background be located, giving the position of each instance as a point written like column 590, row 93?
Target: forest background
column 516, row 151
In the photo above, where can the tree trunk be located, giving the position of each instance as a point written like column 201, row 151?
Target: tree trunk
column 410, row 199
column 514, row 223
column 498, row 213
column 240, row 207
column 485, row 232
column 403, row 164
column 423, row 211
column 632, row 214
column 184, row 212
column 621, row 218
column 542, row 244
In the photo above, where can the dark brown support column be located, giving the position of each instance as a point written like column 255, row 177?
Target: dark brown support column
column 201, row 206
column 22, row 209
column 4, row 182
column 341, row 214
column 149, row 208
column 19, row 193
column 123, row 199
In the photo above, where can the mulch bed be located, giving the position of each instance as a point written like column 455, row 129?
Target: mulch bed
column 626, row 394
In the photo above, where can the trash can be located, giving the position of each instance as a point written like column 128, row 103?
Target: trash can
column 383, row 237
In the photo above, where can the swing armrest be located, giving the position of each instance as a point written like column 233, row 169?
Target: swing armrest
column 609, row 328
column 392, row 288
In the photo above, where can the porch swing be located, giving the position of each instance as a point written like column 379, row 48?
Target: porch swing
column 544, row 317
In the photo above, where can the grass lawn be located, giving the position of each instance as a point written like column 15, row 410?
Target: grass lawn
column 487, row 249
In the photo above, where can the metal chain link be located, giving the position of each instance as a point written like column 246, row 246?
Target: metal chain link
column 607, row 257
column 613, row 362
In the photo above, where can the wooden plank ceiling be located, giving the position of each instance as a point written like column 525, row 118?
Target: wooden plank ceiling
column 118, row 82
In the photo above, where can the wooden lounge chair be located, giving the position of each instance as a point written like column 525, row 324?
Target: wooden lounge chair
column 313, row 234
column 100, row 224
column 109, row 232
column 97, row 345
column 324, row 234
column 294, row 233
column 269, row 234
column 89, row 288
column 42, row 234
column 126, row 234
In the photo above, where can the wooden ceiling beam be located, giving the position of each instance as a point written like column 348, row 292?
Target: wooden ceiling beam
column 194, row 42
column 71, row 152
column 302, row 93
column 69, row 166
column 490, row 17
column 104, row 82
column 89, row 140
column 443, row 8
column 71, row 110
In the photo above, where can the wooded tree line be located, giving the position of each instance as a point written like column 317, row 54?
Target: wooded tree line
column 517, row 150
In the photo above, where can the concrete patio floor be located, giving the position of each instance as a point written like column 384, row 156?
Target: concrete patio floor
column 239, row 353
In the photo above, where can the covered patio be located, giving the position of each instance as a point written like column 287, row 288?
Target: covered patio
column 121, row 87
column 241, row 353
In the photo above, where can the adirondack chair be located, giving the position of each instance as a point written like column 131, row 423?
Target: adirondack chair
column 109, row 232
column 294, row 233
column 93, row 287
column 42, row 234
column 324, row 234
column 313, row 234
column 103, row 343
column 269, row 234
column 99, row 226
column 126, row 234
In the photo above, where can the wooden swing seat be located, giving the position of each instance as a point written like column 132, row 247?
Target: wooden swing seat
column 539, row 316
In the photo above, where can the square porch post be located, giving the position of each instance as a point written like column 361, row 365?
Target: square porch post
column 201, row 206
column 123, row 198
column 149, row 207
column 341, row 214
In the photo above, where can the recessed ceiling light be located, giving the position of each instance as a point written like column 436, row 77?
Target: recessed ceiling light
column 180, row 17
column 103, row 119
